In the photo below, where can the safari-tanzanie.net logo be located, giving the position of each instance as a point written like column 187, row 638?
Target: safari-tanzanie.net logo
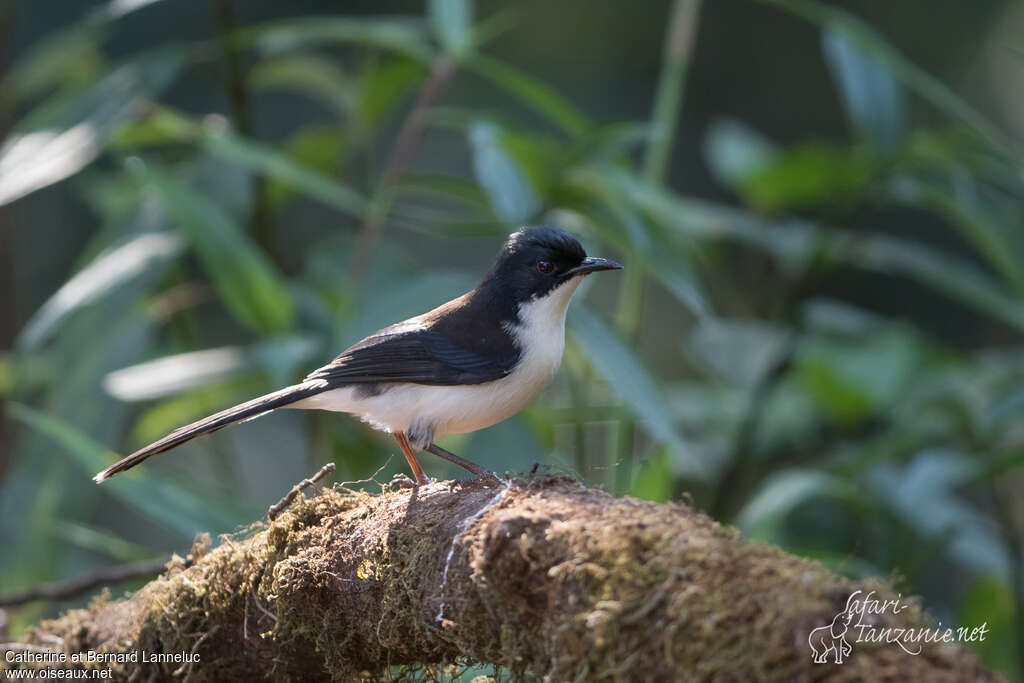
column 861, row 621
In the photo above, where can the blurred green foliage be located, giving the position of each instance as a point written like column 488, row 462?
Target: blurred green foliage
column 873, row 441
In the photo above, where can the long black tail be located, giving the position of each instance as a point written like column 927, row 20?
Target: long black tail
column 249, row 409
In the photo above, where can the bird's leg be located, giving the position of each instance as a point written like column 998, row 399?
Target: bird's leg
column 464, row 464
column 410, row 457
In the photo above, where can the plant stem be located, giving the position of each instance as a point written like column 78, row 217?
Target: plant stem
column 402, row 153
column 668, row 101
column 54, row 592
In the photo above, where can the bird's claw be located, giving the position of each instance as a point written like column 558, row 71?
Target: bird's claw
column 402, row 481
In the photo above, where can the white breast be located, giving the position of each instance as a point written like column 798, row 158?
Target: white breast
column 540, row 335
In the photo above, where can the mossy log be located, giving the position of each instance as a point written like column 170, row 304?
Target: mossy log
column 544, row 577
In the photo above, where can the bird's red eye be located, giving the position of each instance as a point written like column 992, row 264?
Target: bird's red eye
column 545, row 267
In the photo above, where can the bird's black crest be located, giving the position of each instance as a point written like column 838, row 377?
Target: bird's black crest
column 516, row 278
column 557, row 242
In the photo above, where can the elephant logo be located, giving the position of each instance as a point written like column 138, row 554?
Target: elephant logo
column 831, row 639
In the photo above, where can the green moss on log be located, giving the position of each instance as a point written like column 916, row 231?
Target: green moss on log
column 546, row 578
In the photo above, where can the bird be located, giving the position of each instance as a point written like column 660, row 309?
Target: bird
column 463, row 366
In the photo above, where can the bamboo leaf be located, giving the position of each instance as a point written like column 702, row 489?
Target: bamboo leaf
column 312, row 75
column 734, row 151
column 628, row 378
column 180, row 372
column 165, row 126
column 110, row 269
column 173, row 506
column 533, row 93
column 870, row 42
column 780, row 494
column 173, row 374
column 794, row 243
column 267, row 161
column 250, row 286
column 399, row 34
column 513, row 197
column 64, row 135
column 874, row 100
column 654, row 481
column 453, row 22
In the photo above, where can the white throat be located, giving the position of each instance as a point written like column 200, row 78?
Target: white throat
column 540, row 333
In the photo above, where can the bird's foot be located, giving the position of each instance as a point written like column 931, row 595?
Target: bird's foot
column 402, row 481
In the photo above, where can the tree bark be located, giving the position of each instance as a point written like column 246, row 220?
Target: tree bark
column 542, row 576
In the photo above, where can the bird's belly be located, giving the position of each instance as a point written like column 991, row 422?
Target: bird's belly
column 448, row 409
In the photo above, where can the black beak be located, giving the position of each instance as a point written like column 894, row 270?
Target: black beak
column 592, row 264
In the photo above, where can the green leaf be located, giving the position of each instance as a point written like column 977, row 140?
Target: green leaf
column 613, row 142
column 7, row 366
column 655, row 479
column 451, row 188
column 874, row 100
column 162, row 126
column 66, row 58
column 268, row 161
column 453, row 22
column 165, row 126
column 318, row 149
column 512, row 195
column 772, row 179
column 101, row 540
column 384, row 87
column 533, row 93
column 174, row 374
column 250, row 286
column 795, row 243
column 807, row 176
column 172, row 505
column 739, row 350
column 858, row 378
column 990, row 600
column 924, row 494
column 868, row 41
column 782, row 493
column 112, row 268
column 671, row 264
column 838, row 318
column 992, row 230
column 65, row 134
column 735, row 151
column 628, row 378
column 399, row 34
column 312, row 75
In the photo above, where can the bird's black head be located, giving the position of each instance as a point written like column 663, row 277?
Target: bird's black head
column 534, row 261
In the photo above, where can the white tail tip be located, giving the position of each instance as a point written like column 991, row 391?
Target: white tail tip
column 100, row 478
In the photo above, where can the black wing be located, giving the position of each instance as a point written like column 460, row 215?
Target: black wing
column 418, row 356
